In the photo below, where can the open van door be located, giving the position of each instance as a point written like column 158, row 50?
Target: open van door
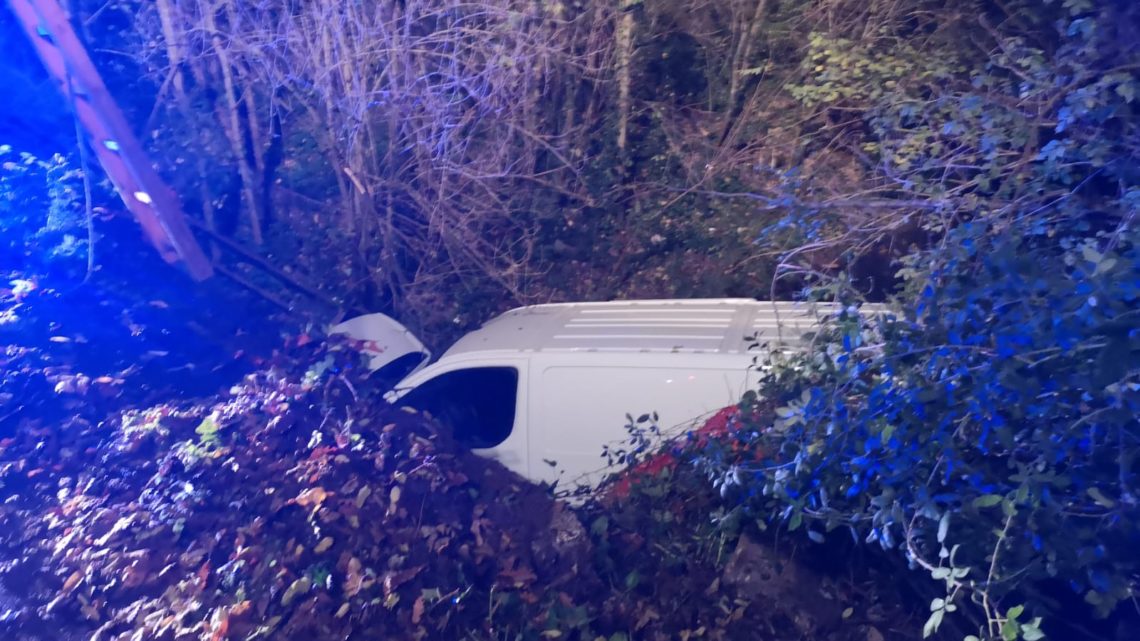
column 393, row 351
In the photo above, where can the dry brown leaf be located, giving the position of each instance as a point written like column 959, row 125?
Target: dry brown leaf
column 298, row 587
column 203, row 574
column 324, row 545
column 354, row 578
column 312, row 497
column 222, row 630
column 362, row 496
column 418, row 611
column 241, row 609
column 394, row 497
column 120, row 525
column 517, row 576
column 72, row 581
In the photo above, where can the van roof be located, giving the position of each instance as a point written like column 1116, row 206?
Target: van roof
column 698, row 326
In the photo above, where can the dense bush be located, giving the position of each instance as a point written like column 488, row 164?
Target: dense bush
column 988, row 427
column 988, row 431
column 41, row 210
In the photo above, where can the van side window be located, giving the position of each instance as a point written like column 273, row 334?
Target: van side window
column 477, row 404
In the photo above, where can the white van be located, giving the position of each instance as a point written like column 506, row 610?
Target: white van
column 544, row 389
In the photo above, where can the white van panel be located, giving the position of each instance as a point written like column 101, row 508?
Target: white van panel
column 384, row 341
column 577, row 409
column 584, row 366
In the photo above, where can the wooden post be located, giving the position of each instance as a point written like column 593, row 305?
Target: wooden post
column 152, row 202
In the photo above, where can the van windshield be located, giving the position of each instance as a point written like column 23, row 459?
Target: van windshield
column 477, row 404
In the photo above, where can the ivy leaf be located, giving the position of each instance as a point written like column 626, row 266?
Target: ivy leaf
column 795, row 522
column 1031, row 631
column 987, row 500
column 932, row 623
column 632, row 580
column 1009, row 630
column 1100, row 498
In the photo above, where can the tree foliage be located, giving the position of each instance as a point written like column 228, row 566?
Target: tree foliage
column 987, row 427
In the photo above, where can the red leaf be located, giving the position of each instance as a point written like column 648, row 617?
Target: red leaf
column 222, row 630
column 418, row 611
column 203, row 574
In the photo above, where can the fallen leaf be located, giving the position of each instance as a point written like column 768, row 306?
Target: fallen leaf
column 393, row 580
column 203, row 574
column 313, row 496
column 324, row 545
column 241, row 609
column 394, row 497
column 648, row 615
column 354, row 578
column 120, row 525
column 222, row 630
column 21, row 287
column 517, row 576
column 91, row 612
column 418, row 611
column 300, row 586
column 72, row 581
column 362, row 496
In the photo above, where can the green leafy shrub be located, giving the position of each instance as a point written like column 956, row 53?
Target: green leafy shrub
column 41, row 209
column 988, row 431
